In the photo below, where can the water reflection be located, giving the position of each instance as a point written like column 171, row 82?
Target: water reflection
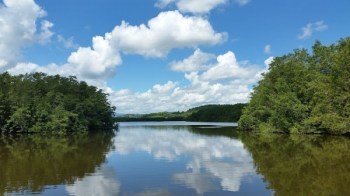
column 174, row 160
column 302, row 165
column 210, row 159
column 30, row 163
column 102, row 183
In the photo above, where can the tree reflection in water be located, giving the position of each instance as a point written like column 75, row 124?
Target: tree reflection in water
column 31, row 162
column 215, row 160
column 301, row 164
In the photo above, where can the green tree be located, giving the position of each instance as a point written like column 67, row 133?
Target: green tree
column 303, row 93
column 40, row 103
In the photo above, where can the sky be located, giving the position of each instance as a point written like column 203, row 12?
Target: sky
column 164, row 55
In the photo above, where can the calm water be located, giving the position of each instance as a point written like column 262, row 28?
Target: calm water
column 174, row 159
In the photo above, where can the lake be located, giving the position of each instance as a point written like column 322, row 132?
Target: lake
column 174, row 158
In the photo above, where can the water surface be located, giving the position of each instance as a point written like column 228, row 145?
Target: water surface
column 174, row 158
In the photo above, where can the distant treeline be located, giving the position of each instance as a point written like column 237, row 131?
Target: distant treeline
column 207, row 113
column 40, row 103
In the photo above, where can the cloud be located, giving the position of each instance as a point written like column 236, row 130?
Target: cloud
column 242, row 2
column 67, row 43
column 210, row 159
column 197, row 6
column 3, row 63
column 268, row 61
column 18, row 29
column 196, row 62
column 226, row 81
column 163, row 3
column 163, row 89
column 227, row 67
column 94, row 65
column 98, row 61
column 267, row 49
column 22, row 68
column 180, row 98
column 163, row 33
column 46, row 33
column 310, row 28
column 63, row 70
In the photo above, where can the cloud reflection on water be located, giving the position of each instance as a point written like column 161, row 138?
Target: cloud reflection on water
column 212, row 159
column 101, row 183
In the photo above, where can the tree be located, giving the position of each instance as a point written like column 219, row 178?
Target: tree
column 40, row 103
column 303, row 93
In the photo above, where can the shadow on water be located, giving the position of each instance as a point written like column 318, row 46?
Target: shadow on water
column 301, row 164
column 30, row 162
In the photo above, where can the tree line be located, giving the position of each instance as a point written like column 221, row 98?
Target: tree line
column 206, row 113
column 303, row 93
column 40, row 103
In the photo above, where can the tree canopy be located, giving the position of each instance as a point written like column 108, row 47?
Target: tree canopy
column 303, row 93
column 216, row 113
column 41, row 103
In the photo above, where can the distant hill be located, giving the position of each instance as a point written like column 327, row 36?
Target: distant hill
column 216, row 113
column 206, row 113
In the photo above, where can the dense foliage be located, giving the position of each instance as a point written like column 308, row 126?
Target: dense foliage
column 303, row 93
column 207, row 113
column 40, row 103
column 216, row 113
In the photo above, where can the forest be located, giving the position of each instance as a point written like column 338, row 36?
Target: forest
column 206, row 113
column 303, row 93
column 40, row 103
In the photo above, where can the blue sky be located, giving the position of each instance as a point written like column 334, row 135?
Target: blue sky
column 157, row 55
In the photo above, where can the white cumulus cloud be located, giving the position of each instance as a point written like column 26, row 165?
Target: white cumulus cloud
column 63, row 70
column 19, row 29
column 163, row 33
column 197, row 6
column 310, row 28
column 226, row 81
column 210, row 80
column 98, row 61
column 228, row 67
column 196, row 62
column 46, row 33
